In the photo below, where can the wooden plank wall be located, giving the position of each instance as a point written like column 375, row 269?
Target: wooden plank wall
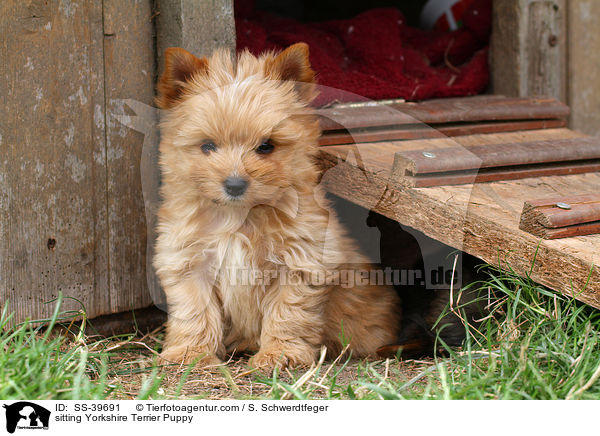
column 72, row 215
column 548, row 48
column 529, row 48
column 584, row 65
column 52, row 166
column 71, row 210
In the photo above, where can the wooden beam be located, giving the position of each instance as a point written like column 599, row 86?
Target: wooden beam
column 438, row 118
column 196, row 25
column 584, row 65
column 561, row 217
column 492, row 162
column 498, row 155
column 442, row 111
column 423, row 131
column 129, row 68
column 199, row 27
column 498, row 174
column 529, row 48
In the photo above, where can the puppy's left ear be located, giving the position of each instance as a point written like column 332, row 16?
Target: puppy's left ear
column 292, row 64
column 180, row 67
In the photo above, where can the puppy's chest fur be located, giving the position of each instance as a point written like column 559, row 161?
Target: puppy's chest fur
column 242, row 292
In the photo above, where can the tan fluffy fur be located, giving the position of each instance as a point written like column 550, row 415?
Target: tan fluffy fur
column 283, row 221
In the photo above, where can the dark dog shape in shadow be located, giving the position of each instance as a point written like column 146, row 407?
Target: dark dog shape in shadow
column 13, row 415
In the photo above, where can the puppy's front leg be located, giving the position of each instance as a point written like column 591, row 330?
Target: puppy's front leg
column 292, row 328
column 195, row 324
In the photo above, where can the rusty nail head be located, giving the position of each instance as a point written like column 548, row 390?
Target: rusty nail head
column 553, row 40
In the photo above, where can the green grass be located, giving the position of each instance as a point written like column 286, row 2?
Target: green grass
column 37, row 363
column 535, row 344
column 35, row 366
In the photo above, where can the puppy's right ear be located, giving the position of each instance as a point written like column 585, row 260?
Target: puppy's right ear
column 180, row 67
column 293, row 64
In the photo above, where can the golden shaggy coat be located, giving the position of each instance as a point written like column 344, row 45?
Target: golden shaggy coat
column 281, row 224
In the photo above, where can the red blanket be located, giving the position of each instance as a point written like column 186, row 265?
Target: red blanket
column 376, row 55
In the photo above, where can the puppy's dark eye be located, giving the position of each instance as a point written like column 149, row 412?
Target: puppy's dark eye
column 208, row 147
column 265, row 148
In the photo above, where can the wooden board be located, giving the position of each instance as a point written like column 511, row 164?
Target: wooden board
column 567, row 232
column 71, row 215
column 492, row 162
column 375, row 121
column 441, row 111
column 543, row 48
column 460, row 158
column 584, row 70
column 498, row 174
column 129, row 68
column 481, row 219
column 561, row 217
column 52, row 171
column 421, row 131
column 77, row 77
column 528, row 48
column 197, row 26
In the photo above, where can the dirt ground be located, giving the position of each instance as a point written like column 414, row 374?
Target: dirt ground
column 132, row 360
column 236, row 380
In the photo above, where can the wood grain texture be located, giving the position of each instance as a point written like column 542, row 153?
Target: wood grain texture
column 440, row 111
column 481, row 219
column 336, row 137
column 572, row 200
column 52, row 167
column 544, row 218
column 498, row 155
column 129, row 65
column 71, row 208
column 196, row 25
column 584, row 65
column 529, row 48
column 493, row 162
column 581, row 209
column 497, row 174
column 562, row 232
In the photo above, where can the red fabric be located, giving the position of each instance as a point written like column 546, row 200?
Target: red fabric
column 376, row 55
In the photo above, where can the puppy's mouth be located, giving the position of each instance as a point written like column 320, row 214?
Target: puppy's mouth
column 230, row 201
column 284, row 199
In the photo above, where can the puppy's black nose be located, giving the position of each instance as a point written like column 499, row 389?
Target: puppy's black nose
column 235, row 186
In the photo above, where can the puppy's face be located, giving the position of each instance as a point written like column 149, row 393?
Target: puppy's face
column 238, row 135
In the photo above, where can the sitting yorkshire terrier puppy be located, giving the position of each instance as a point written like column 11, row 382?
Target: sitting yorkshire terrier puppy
column 240, row 194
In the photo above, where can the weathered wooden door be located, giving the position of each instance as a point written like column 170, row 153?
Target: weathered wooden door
column 71, row 206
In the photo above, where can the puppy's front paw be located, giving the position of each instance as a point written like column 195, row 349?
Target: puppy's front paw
column 268, row 361
column 187, row 355
column 272, row 358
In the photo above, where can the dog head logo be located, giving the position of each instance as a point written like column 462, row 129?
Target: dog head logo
column 26, row 415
